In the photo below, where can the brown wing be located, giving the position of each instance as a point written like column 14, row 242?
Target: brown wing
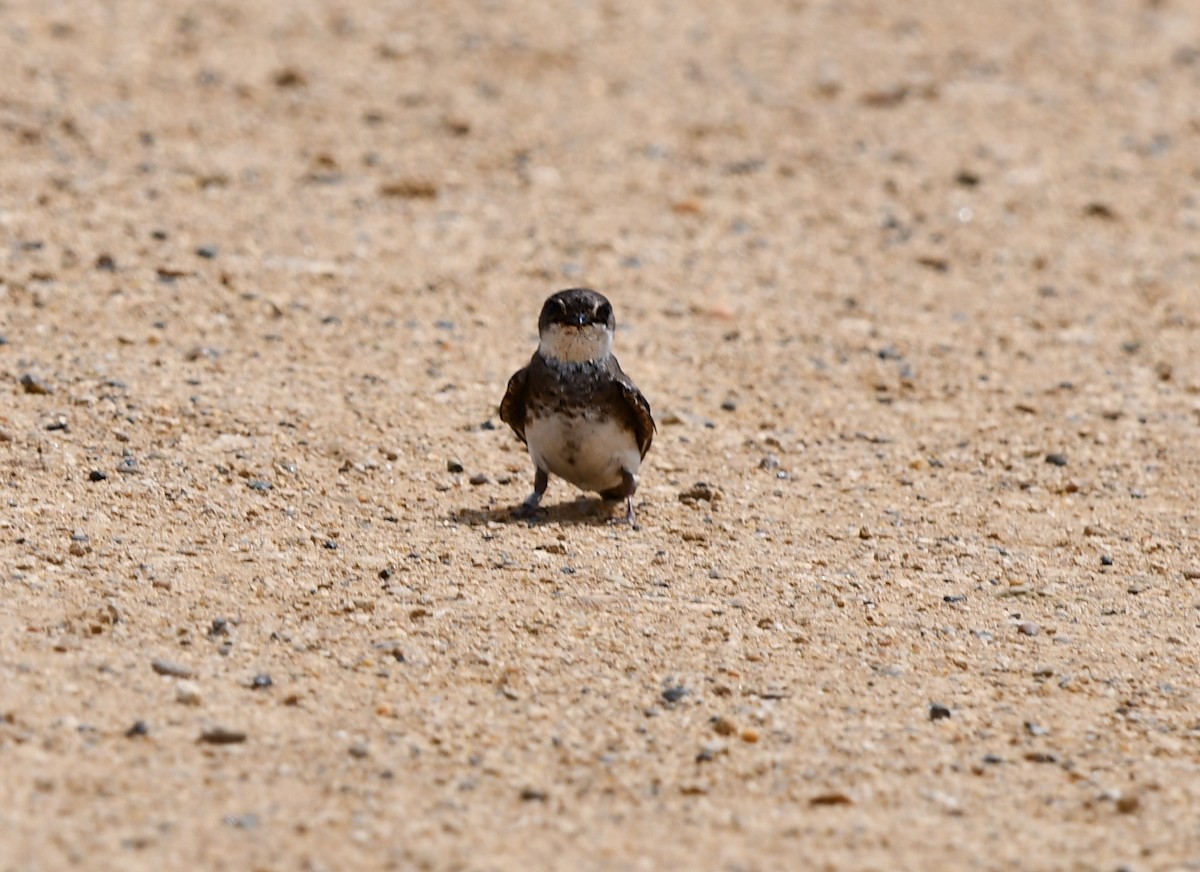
column 638, row 408
column 512, row 407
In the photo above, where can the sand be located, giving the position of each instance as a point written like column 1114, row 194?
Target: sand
column 913, row 289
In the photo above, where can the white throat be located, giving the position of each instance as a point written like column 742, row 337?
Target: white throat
column 576, row 345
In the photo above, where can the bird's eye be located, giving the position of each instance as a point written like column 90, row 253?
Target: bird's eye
column 603, row 313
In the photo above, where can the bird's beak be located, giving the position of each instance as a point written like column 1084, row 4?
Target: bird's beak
column 579, row 320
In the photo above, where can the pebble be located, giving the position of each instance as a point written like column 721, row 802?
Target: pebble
column 675, row 694
column 188, row 693
column 97, row 475
column 938, row 712
column 259, row 484
column 454, row 466
column 771, row 461
column 262, row 680
column 479, row 478
column 532, row 794
column 139, row 728
column 359, row 750
column 1036, row 729
column 170, row 667
column 106, row 263
column 221, row 736
column 31, row 384
column 1056, row 459
column 723, row 726
column 208, row 252
column 1028, row 628
column 1105, row 560
column 127, row 466
column 700, row 491
column 729, row 405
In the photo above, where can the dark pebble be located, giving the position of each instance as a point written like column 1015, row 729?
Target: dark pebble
column 531, row 794
column 330, row 545
column 222, row 736
column 1105, row 560
column 486, row 425
column 1056, row 459
column 478, row 479
column 34, row 385
column 57, row 425
column 938, row 712
column 139, row 728
column 219, row 627
column 992, row 759
column 160, row 235
column 262, row 680
column 771, row 461
column 955, row 598
column 729, row 405
column 454, row 466
column 259, row 484
column 208, row 252
column 1036, row 729
column 97, row 475
column 1041, row 757
column 675, row 694
column 106, row 263
column 387, row 573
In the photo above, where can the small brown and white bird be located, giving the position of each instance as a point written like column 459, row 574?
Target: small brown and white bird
column 581, row 416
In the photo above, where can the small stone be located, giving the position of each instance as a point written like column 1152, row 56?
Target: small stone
column 105, row 263
column 330, row 545
column 1128, row 803
column 261, row 680
column 1036, row 729
column 1105, row 560
column 750, row 735
column 864, row 533
column 34, row 385
column 938, row 712
column 700, row 491
column 259, row 484
column 454, row 466
column 97, row 475
column 359, row 750
column 532, row 794
column 479, row 478
column 729, row 405
column 1028, row 628
column 188, row 693
column 833, row 797
column 221, row 736
column 710, row 751
column 139, row 728
column 170, row 667
column 127, row 466
column 218, row 627
column 1056, row 459
column 771, row 461
column 675, row 694
column 723, row 726
column 208, row 252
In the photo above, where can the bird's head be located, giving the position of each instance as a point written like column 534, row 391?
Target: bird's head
column 576, row 326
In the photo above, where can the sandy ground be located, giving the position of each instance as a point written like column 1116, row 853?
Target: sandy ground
column 914, row 289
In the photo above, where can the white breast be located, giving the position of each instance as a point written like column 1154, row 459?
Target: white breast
column 586, row 452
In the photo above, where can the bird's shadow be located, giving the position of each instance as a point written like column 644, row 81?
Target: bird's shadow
column 581, row 511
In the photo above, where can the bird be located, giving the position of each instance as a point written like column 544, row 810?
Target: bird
column 581, row 417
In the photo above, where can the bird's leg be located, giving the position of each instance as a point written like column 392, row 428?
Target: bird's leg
column 541, row 480
column 624, row 491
